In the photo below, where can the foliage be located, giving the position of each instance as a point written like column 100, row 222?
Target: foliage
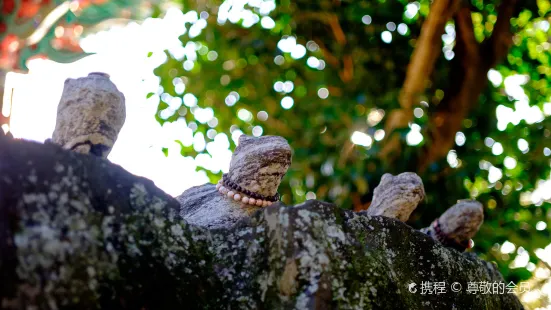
column 52, row 28
column 321, row 72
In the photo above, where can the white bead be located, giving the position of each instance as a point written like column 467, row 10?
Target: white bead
column 230, row 194
column 237, row 197
column 252, row 201
column 223, row 190
column 259, row 202
column 218, row 185
column 245, row 199
column 269, row 203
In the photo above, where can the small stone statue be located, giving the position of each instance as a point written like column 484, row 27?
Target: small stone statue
column 397, row 197
column 256, row 170
column 458, row 225
column 90, row 115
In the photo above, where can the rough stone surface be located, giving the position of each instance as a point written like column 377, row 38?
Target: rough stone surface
column 397, row 196
column 204, row 206
column 462, row 221
column 258, row 164
column 77, row 232
column 90, row 115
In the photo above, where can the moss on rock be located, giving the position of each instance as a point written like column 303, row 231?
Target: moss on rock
column 80, row 232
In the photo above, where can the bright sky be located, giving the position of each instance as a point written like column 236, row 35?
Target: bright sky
column 122, row 53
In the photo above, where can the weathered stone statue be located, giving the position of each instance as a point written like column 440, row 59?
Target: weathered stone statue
column 256, row 170
column 90, row 115
column 458, row 225
column 398, row 196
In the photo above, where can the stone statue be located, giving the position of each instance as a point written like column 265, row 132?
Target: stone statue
column 397, row 197
column 458, row 225
column 256, row 170
column 90, row 115
column 81, row 233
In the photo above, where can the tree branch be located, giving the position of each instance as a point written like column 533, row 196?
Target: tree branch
column 495, row 49
column 468, row 79
column 426, row 51
column 331, row 20
column 421, row 66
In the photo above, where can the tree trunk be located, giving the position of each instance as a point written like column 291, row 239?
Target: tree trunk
column 427, row 50
column 468, row 74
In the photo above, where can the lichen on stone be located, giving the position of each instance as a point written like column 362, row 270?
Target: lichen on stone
column 69, row 243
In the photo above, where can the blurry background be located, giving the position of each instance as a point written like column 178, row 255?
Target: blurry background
column 469, row 110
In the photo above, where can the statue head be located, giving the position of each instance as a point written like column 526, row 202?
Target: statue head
column 90, row 115
column 259, row 164
column 397, row 196
column 462, row 221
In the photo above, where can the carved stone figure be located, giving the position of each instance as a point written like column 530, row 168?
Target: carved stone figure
column 80, row 233
column 256, row 170
column 397, row 197
column 90, row 115
column 458, row 225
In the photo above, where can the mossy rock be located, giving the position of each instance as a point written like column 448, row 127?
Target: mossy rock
column 78, row 232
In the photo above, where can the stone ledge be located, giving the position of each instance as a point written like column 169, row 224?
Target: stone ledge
column 77, row 231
